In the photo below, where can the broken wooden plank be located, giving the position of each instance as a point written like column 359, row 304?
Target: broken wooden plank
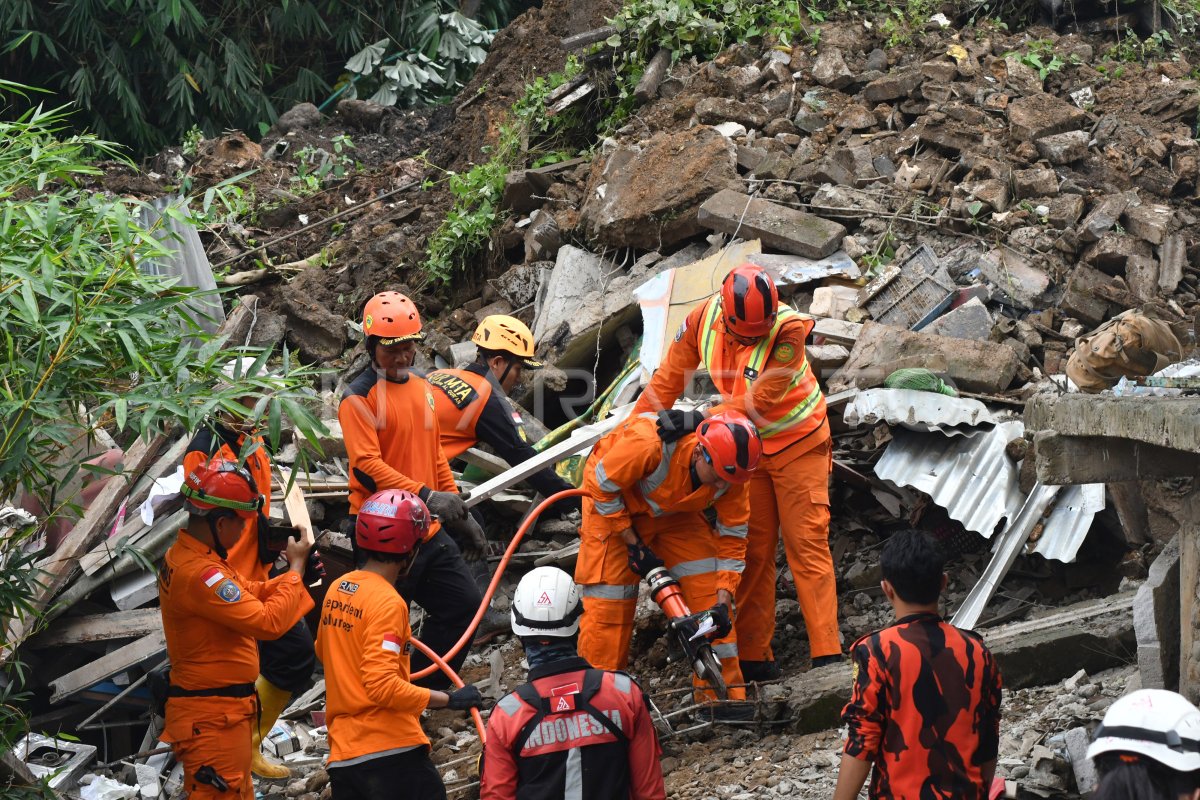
column 492, row 465
column 82, row 537
column 568, row 100
column 101, row 628
column 582, row 40
column 106, row 666
column 652, row 78
column 579, row 440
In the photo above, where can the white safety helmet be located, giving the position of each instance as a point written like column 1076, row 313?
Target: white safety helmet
column 546, row 604
column 1154, row 723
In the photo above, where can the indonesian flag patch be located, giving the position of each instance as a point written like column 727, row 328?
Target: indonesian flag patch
column 392, row 643
column 212, row 576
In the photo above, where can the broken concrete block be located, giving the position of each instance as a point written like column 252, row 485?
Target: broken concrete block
column 974, row 366
column 971, row 320
column 993, row 192
column 892, row 86
column 462, row 353
column 576, row 274
column 809, row 121
column 1086, row 777
column 714, row 110
column 1110, row 253
column 1036, row 182
column 542, row 237
column 1156, row 621
column 1101, row 219
column 1037, row 116
column 855, row 117
column 833, row 301
column 830, row 69
column 518, row 193
column 1172, row 257
column 1149, row 221
column 314, row 330
column 1016, row 279
column 1141, row 273
column 1065, row 210
column 1079, row 299
column 647, row 198
column 827, row 170
column 519, row 284
column 1063, row 148
column 777, row 226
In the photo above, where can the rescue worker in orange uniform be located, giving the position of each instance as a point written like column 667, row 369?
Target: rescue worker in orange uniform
column 394, row 442
column 753, row 347
column 646, row 507
column 472, row 403
column 211, row 618
column 285, row 664
column 377, row 747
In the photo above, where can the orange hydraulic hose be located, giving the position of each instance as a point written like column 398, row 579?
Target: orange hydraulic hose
column 491, row 590
column 453, row 676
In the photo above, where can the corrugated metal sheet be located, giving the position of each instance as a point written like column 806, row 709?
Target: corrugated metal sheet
column 977, row 484
column 920, row 411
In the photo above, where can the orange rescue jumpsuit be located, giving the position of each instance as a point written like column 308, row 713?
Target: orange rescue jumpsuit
column 211, row 618
column 773, row 384
column 363, row 641
column 634, row 480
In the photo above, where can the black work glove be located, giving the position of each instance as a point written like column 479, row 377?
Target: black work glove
column 446, row 506
column 722, row 619
column 642, row 559
column 673, row 425
column 469, row 536
column 465, row 698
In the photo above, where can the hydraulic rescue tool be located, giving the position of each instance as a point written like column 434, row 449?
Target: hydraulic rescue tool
column 687, row 629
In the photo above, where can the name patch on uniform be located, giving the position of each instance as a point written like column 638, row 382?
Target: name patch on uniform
column 348, row 587
column 784, row 353
column 461, row 393
column 229, row 592
column 750, row 373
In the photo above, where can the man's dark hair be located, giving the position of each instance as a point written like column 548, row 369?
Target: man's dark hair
column 483, row 356
column 387, row 558
column 913, row 563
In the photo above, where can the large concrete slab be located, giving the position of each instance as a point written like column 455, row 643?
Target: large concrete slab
column 975, row 366
column 1172, row 422
column 1105, row 459
column 1156, row 621
column 1040, row 115
column 777, row 226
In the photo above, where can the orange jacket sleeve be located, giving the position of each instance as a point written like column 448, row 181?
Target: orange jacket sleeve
column 733, row 525
column 645, row 770
column 361, row 435
column 866, row 713
column 771, row 386
column 632, row 455
column 499, row 773
column 677, row 366
column 445, row 476
column 236, row 604
column 384, row 638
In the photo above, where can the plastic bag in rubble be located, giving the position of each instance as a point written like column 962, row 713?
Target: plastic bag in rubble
column 918, row 379
column 102, row 788
column 1129, row 345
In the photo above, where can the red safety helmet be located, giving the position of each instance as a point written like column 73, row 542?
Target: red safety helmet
column 749, row 301
column 222, row 484
column 391, row 521
column 391, row 317
column 731, row 444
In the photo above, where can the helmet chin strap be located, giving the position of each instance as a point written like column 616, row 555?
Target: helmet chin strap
column 508, row 365
column 217, row 547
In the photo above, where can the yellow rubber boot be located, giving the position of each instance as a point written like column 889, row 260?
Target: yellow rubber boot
column 272, row 701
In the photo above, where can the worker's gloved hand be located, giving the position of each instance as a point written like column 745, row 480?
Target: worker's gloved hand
column 469, row 536
column 722, row 619
column 673, row 425
column 446, row 506
column 314, row 571
column 465, row 698
column 642, row 559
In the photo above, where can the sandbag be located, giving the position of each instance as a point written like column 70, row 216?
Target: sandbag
column 1129, row 345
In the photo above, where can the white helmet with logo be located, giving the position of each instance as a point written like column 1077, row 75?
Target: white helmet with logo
column 1154, row 723
column 546, row 603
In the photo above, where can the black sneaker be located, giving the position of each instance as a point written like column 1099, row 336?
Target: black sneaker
column 759, row 670
column 825, row 661
column 726, row 711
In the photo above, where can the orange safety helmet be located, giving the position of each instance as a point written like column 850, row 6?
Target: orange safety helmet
column 222, row 484
column 391, row 318
column 391, row 521
column 749, row 301
column 731, row 443
column 507, row 334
